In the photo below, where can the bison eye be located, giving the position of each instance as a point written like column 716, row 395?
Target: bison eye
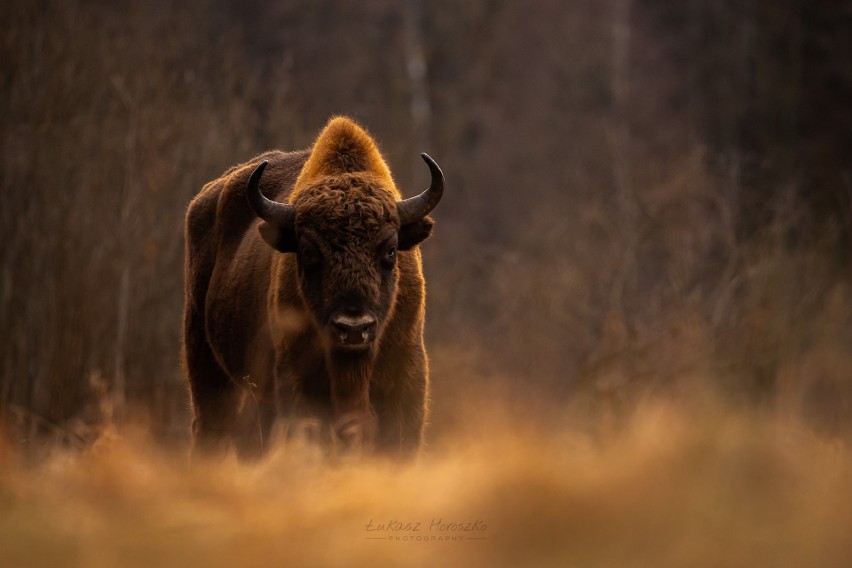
column 309, row 255
column 389, row 257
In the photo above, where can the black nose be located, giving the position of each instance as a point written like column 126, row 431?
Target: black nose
column 354, row 330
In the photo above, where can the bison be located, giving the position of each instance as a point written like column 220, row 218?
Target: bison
column 305, row 299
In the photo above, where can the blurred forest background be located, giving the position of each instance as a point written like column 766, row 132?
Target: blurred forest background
column 642, row 197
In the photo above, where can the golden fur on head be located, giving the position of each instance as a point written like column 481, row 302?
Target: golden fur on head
column 344, row 147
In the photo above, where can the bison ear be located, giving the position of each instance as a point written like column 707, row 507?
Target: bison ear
column 413, row 234
column 280, row 239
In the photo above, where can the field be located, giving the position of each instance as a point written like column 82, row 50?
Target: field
column 674, row 484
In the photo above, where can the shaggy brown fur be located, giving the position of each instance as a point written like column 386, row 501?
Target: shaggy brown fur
column 256, row 337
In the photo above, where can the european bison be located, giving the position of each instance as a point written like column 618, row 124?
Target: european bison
column 305, row 299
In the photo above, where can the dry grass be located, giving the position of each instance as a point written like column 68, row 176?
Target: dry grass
column 675, row 485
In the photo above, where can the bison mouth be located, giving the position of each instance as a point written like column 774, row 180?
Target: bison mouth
column 353, row 332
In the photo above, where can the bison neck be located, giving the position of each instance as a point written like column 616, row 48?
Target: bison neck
column 350, row 375
column 354, row 425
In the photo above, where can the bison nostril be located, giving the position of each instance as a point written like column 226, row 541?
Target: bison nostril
column 354, row 330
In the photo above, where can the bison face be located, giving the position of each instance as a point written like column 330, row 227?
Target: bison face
column 347, row 239
column 346, row 231
column 348, row 288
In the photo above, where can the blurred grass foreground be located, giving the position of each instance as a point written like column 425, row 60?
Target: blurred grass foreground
column 674, row 485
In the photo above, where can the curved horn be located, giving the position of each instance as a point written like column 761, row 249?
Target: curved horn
column 417, row 207
column 279, row 214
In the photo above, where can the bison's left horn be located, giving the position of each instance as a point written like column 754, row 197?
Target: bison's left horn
column 281, row 215
column 417, row 207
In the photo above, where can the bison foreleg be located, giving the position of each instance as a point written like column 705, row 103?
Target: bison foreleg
column 355, row 431
column 214, row 417
column 215, row 398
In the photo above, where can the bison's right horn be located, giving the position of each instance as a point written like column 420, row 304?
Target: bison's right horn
column 281, row 215
column 415, row 208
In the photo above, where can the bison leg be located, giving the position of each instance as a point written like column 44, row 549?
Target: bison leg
column 402, row 415
column 215, row 398
column 401, row 427
column 305, row 422
column 355, row 431
column 214, row 418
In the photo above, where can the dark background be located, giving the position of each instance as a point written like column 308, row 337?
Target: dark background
column 642, row 197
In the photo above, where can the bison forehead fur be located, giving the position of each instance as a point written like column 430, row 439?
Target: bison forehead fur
column 347, row 206
column 297, row 305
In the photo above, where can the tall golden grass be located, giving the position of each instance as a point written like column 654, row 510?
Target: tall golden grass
column 673, row 484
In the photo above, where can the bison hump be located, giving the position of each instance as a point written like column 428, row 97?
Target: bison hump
column 343, row 147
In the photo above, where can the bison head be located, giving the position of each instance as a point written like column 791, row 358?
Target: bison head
column 346, row 223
